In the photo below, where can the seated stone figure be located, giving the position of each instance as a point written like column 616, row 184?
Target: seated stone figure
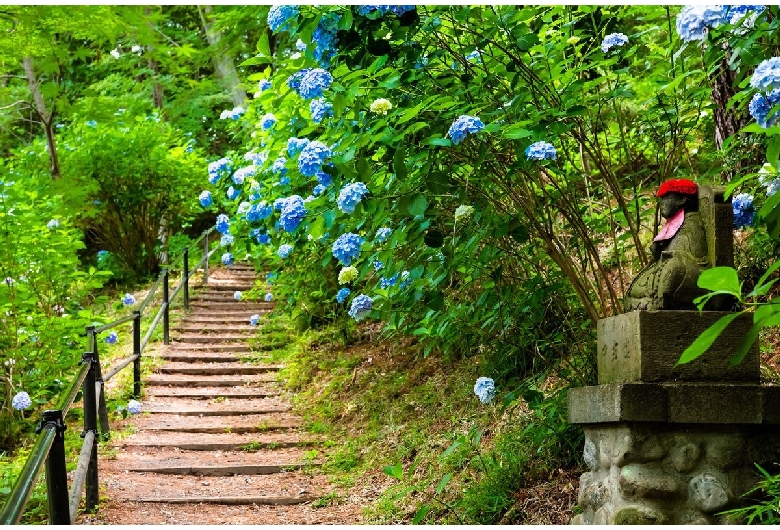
column 679, row 254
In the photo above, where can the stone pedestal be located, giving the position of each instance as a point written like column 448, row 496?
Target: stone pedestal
column 671, row 444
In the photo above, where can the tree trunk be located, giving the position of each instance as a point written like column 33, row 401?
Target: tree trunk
column 46, row 116
column 727, row 121
column 157, row 89
column 223, row 63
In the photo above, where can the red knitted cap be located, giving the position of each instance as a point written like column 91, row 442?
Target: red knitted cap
column 684, row 186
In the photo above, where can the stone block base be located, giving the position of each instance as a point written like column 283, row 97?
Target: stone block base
column 661, row 473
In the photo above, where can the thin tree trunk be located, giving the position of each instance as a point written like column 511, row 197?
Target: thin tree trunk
column 223, row 63
column 157, row 89
column 727, row 121
column 45, row 115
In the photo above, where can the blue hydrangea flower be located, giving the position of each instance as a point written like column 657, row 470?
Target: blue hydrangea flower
column 485, row 389
column 278, row 17
column 102, row 255
column 227, row 259
column 21, row 401
column 112, row 338
column 613, row 39
column 320, row 109
column 382, row 234
column 218, row 168
column 694, row 21
column 284, row 251
column 263, row 85
column 744, row 214
column 464, row 125
column 254, row 319
column 400, row 10
column 261, row 237
column 205, row 199
column 300, row 45
column 347, row 247
column 237, row 296
column 293, row 212
column 312, row 157
column 278, row 166
column 233, row 193
column 541, row 151
column 295, row 145
column 761, row 106
column 133, row 407
column 223, row 223
column 226, row 240
column 258, row 212
column 294, row 81
column 243, row 173
column 767, row 75
column 324, row 178
column 378, row 265
column 384, row 283
column 54, row 223
column 319, row 189
column 267, row 121
column 736, row 13
column 350, row 195
column 129, row 299
column 342, row 295
column 270, row 277
column 244, row 207
column 324, row 38
column 405, row 280
column 268, row 297
column 284, row 181
column 233, row 114
column 361, row 307
column 314, row 83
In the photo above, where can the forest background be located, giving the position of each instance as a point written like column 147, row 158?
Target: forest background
column 478, row 182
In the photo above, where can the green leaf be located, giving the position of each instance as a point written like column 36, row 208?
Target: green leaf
column 444, row 481
column 444, row 142
column 773, row 150
column 766, row 315
column 399, row 163
column 516, row 131
column 721, row 279
column 451, row 449
column 396, row 471
column 705, row 340
column 263, row 46
column 421, row 513
column 417, row 204
column 527, row 41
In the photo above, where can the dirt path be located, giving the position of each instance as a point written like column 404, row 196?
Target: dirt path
column 216, row 443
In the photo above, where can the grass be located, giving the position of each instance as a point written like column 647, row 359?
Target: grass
column 383, row 406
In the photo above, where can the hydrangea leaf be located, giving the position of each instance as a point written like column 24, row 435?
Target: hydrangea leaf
column 417, row 204
column 399, row 162
column 516, row 131
column 527, row 41
column 722, row 279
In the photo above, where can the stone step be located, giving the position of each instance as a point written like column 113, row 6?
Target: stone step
column 216, row 369
column 209, row 348
column 232, row 306
column 242, row 429
column 224, row 446
column 231, row 319
column 225, row 287
column 212, row 392
column 203, row 338
column 226, row 296
column 270, row 443
column 217, row 326
column 205, row 412
column 196, row 358
column 168, row 380
column 232, row 501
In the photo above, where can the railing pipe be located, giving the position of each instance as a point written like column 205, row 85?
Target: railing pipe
column 56, row 472
column 115, row 323
column 152, row 327
column 17, row 499
column 152, row 291
column 90, row 425
column 185, row 277
column 80, row 475
column 166, row 315
column 137, row 354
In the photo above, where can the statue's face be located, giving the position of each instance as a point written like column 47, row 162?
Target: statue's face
column 671, row 204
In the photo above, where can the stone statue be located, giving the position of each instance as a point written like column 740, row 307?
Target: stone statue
column 679, row 254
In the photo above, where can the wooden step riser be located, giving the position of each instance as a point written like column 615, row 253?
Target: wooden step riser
column 214, row 327
column 220, row 430
column 200, row 383
column 210, row 348
column 159, row 393
column 198, row 358
column 206, row 339
column 218, row 288
column 216, row 446
column 239, row 370
column 214, row 413
column 233, row 501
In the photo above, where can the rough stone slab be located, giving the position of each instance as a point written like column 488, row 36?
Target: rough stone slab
column 195, row 383
column 233, row 501
column 195, row 358
column 224, row 446
column 646, row 345
column 617, row 402
column 217, row 326
column 714, row 403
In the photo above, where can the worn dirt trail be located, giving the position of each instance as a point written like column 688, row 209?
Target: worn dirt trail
column 216, row 442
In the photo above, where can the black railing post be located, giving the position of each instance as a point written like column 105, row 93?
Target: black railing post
column 206, row 257
column 56, row 472
column 137, row 353
column 102, row 410
column 90, row 424
column 186, row 278
column 166, row 314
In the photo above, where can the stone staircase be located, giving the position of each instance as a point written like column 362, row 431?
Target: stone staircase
column 214, row 429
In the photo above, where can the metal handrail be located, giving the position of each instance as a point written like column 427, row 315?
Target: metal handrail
column 49, row 448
